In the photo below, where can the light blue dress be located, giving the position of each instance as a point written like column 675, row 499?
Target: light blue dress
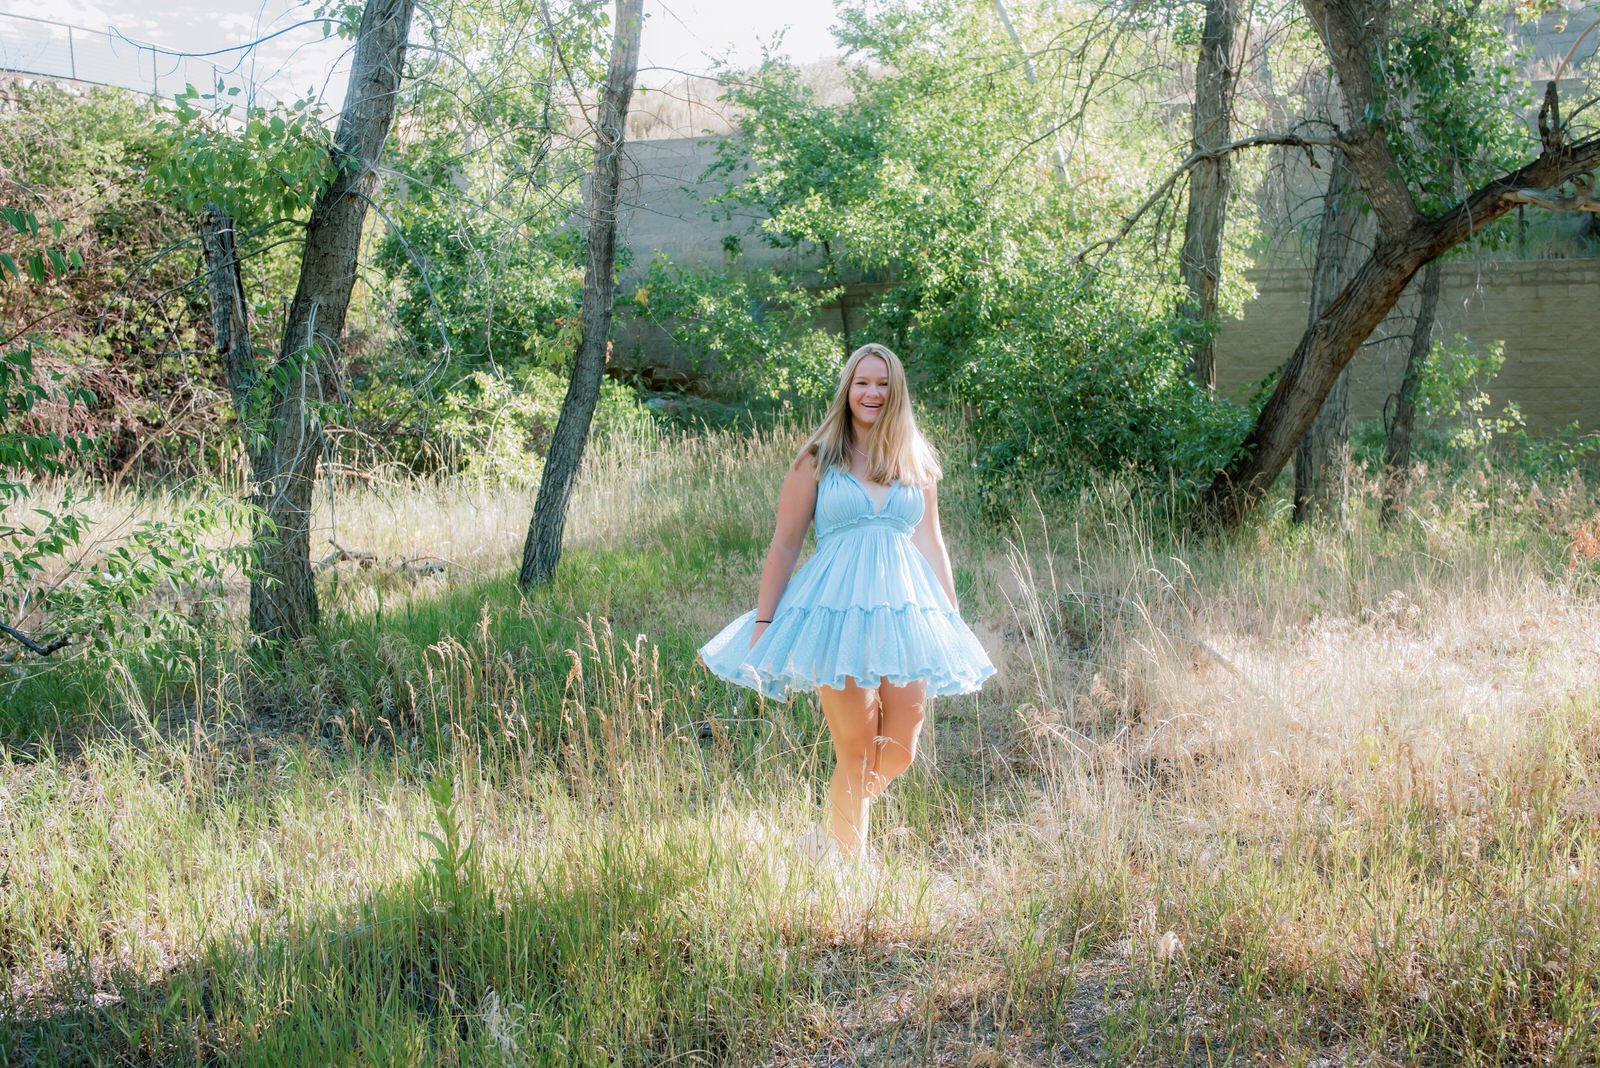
column 867, row 606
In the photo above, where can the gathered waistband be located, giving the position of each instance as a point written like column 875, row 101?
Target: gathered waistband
column 891, row 524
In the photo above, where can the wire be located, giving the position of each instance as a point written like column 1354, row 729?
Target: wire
column 221, row 51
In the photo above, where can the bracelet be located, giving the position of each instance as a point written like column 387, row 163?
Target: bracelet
column 763, row 621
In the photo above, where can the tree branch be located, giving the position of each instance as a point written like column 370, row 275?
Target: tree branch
column 33, row 646
column 1350, row 31
column 230, row 319
column 1550, row 119
column 1256, row 141
column 1583, row 200
column 1056, row 156
column 1493, row 199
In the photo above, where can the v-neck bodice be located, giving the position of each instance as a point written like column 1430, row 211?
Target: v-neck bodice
column 877, row 506
column 845, row 502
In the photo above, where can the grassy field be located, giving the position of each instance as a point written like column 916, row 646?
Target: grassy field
column 1292, row 797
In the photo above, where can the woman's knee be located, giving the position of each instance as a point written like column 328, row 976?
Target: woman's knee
column 900, row 725
column 895, row 756
column 853, row 752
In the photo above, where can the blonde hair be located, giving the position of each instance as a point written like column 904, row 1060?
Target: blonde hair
column 895, row 448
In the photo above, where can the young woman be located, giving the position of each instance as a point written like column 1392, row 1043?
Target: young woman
column 870, row 621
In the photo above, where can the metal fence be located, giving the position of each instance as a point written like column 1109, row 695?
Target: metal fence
column 48, row 49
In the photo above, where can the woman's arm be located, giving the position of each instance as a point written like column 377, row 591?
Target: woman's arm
column 929, row 539
column 796, row 503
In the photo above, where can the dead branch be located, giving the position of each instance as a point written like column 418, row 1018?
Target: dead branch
column 1132, row 609
column 340, row 555
column 1584, row 199
column 1550, row 119
column 423, row 566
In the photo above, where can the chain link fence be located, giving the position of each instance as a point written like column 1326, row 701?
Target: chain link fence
column 48, row 49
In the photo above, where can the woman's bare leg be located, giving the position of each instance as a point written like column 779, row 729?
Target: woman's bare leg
column 852, row 714
column 901, row 713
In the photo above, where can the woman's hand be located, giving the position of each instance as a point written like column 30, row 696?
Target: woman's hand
column 755, row 635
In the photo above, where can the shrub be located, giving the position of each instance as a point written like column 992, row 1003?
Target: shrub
column 753, row 332
column 54, row 581
column 497, row 427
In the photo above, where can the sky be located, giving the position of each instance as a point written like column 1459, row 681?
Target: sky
column 679, row 35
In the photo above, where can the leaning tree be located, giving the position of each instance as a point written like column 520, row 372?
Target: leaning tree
column 542, row 548
column 1373, row 135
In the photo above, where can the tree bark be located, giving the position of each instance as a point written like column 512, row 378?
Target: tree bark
column 542, row 550
column 1321, row 461
column 1201, row 257
column 230, row 316
column 1352, row 32
column 1406, row 240
column 1397, row 439
column 278, row 410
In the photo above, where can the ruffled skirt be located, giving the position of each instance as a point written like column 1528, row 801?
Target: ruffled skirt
column 867, row 607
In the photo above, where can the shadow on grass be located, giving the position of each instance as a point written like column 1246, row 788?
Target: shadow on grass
column 616, row 960
column 644, row 950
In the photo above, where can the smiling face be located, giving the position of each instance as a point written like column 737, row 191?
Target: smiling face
column 869, row 394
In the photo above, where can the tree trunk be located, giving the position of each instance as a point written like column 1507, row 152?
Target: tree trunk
column 1406, row 240
column 230, row 316
column 1322, row 459
column 1397, row 443
column 278, row 411
column 1201, row 257
column 542, row 550
column 1321, row 462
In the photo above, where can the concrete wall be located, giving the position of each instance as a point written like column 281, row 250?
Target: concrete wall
column 1547, row 314
column 1553, row 36
column 668, row 206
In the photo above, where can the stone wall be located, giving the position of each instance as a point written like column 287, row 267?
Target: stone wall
column 1546, row 313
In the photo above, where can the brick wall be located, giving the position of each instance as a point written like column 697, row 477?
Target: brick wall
column 1547, row 314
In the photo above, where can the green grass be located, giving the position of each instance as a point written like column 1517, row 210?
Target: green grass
column 1292, row 796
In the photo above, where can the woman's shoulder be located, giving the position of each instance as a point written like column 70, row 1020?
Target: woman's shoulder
column 806, row 463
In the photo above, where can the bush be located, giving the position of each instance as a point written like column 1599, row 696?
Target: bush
column 753, row 331
column 124, row 321
column 54, row 582
column 497, row 427
column 1458, row 425
column 1088, row 389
